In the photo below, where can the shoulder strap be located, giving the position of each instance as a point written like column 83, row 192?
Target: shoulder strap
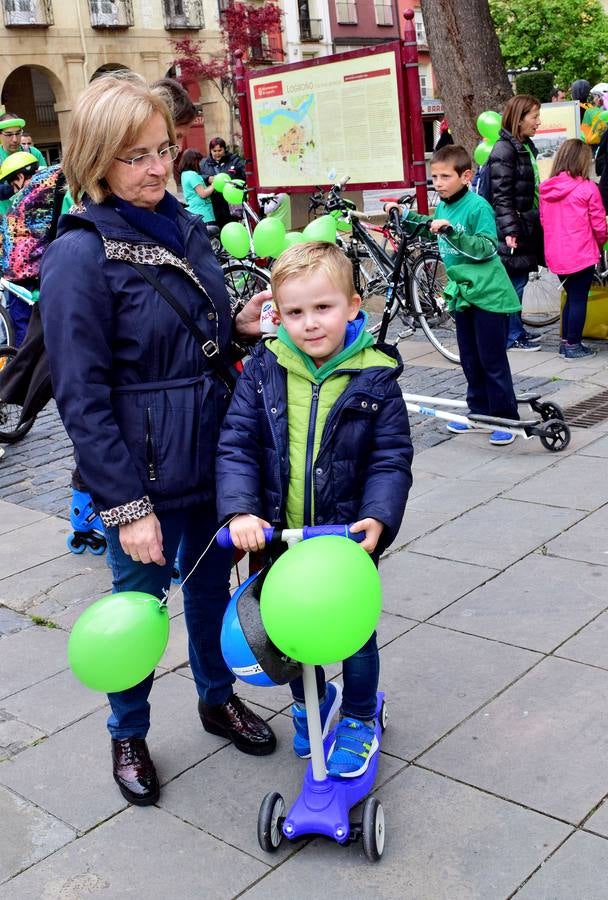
column 208, row 347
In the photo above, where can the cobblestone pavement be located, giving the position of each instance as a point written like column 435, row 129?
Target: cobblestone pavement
column 36, row 472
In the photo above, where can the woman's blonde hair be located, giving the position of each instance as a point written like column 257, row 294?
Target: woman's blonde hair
column 515, row 110
column 107, row 117
column 574, row 156
column 309, row 258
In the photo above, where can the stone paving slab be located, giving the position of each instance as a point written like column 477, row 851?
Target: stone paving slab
column 498, row 533
column 28, row 835
column 590, row 644
column 29, row 657
column 13, row 516
column 598, row 822
column 537, row 603
column 587, row 540
column 419, row 586
column 453, row 843
column 32, row 544
column 140, row 853
column 57, row 584
column 11, row 621
column 429, row 663
column 599, row 447
column 54, row 703
column 578, row 482
column 576, row 870
column 541, row 743
column 15, row 736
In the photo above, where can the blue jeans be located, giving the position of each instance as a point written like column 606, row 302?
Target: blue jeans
column 577, row 287
column 206, row 595
column 360, row 672
column 517, row 331
column 20, row 313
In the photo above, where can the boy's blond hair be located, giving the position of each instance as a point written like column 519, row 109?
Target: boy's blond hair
column 311, row 257
column 107, row 117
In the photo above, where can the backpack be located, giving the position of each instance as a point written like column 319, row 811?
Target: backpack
column 482, row 184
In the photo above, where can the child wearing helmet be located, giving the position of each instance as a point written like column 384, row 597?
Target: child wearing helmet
column 17, row 169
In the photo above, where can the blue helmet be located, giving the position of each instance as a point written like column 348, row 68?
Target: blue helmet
column 248, row 651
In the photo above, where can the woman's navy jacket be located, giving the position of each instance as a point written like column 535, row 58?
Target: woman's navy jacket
column 139, row 399
column 364, row 464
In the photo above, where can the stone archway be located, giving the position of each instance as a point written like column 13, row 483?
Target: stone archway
column 108, row 67
column 32, row 92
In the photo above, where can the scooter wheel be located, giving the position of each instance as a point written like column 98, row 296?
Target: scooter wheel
column 550, row 410
column 270, row 822
column 74, row 545
column 372, row 829
column 383, row 717
column 98, row 549
column 555, row 435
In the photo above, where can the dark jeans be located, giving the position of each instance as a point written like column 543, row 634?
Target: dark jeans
column 206, row 595
column 20, row 313
column 483, row 355
column 516, row 326
column 360, row 673
column 577, row 286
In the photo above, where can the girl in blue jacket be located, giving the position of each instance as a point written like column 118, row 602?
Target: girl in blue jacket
column 318, row 432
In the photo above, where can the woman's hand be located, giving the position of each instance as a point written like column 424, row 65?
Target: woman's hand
column 247, row 323
column 142, row 540
column 247, row 533
column 511, row 241
column 372, row 528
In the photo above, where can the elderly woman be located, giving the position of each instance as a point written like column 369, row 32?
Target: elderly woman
column 140, row 337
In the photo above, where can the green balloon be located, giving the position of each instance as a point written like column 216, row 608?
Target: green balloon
column 292, row 238
column 321, row 600
column 482, row 151
column 220, row 181
column 488, row 124
column 118, row 641
column 235, row 239
column 321, row 229
column 269, row 237
column 233, row 194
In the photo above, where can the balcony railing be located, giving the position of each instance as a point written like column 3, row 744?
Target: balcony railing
column 266, row 50
column 111, row 13
column 28, row 13
column 310, row 30
column 346, row 12
column 181, row 14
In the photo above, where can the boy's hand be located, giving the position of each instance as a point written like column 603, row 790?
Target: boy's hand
column 372, row 528
column 437, row 224
column 391, row 205
column 247, row 534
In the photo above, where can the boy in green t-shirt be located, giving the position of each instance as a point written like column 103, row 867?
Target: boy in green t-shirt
column 479, row 292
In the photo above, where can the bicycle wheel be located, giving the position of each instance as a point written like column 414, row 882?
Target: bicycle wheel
column 12, row 429
column 427, row 281
column 541, row 300
column 244, row 279
column 7, row 332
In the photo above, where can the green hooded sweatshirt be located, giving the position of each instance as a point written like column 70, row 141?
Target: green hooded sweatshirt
column 311, row 394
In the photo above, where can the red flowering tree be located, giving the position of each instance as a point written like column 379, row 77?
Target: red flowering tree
column 243, row 26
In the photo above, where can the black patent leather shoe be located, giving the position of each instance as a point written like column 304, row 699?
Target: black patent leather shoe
column 235, row 721
column 134, row 771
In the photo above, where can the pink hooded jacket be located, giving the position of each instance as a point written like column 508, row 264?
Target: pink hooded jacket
column 574, row 222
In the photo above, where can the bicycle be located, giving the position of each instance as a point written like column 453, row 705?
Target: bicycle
column 12, row 428
column 7, row 331
column 412, row 281
column 541, row 298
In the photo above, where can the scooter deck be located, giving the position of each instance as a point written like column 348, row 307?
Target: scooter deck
column 322, row 807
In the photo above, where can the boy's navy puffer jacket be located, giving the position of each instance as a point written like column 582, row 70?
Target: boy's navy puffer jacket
column 363, row 467
column 513, row 198
column 139, row 399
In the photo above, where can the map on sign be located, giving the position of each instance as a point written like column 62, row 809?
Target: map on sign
column 315, row 124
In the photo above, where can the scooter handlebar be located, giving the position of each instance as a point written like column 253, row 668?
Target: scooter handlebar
column 224, row 538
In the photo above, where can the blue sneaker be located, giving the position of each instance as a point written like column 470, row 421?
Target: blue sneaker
column 328, row 708
column 458, row 427
column 354, row 746
column 498, row 438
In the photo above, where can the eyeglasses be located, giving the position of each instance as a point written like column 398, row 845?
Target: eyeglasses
column 167, row 155
column 11, row 134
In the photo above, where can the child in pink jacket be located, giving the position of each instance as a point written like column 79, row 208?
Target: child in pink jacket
column 574, row 224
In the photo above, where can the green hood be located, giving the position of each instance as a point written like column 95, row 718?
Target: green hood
column 362, row 340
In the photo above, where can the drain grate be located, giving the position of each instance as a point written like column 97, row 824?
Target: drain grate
column 588, row 412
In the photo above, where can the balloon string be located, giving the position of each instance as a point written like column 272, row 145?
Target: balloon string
column 163, row 602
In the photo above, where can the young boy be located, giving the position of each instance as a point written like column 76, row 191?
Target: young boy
column 317, row 432
column 479, row 291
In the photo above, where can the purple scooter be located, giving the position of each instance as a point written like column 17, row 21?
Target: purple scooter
column 323, row 805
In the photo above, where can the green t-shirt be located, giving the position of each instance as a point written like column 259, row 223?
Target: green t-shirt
column 200, row 206
column 33, row 150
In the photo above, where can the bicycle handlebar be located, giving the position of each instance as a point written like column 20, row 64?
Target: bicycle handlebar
column 224, row 537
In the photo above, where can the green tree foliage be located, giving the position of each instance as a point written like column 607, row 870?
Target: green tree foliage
column 568, row 37
column 539, row 84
